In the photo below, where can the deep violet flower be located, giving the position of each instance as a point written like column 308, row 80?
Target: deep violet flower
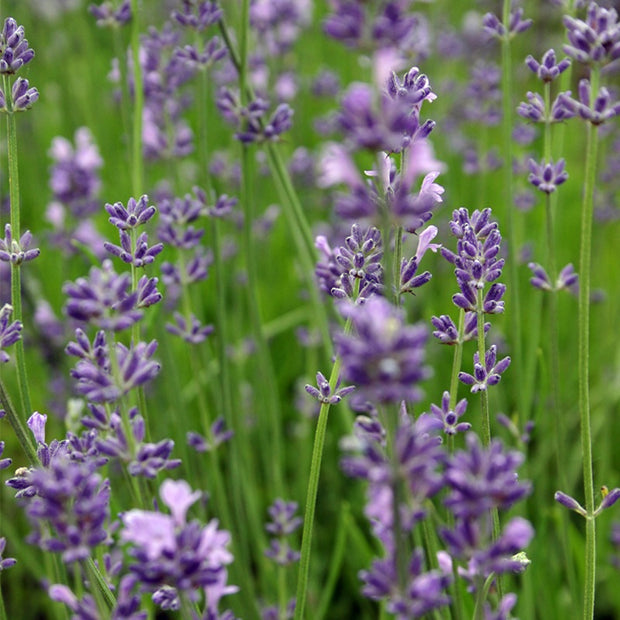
column 22, row 97
column 567, row 278
column 140, row 256
column 547, row 69
column 534, row 109
column 137, row 213
column 10, row 331
column 171, row 552
column 447, row 333
column 14, row 50
column 488, row 374
column 14, row 251
column 596, row 111
column 5, row 562
column 4, row 462
column 546, row 176
column 384, row 357
column 324, row 394
column 595, row 39
column 447, row 419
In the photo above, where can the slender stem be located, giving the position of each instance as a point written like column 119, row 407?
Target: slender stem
column 515, row 313
column 138, row 104
column 584, row 357
column 313, row 486
column 16, row 293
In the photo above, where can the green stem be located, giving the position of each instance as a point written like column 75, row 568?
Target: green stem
column 584, row 356
column 137, row 178
column 313, row 486
column 16, row 293
column 513, row 275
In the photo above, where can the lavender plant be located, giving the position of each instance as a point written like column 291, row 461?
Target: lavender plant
column 228, row 322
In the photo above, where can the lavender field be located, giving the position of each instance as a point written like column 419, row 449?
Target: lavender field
column 309, row 309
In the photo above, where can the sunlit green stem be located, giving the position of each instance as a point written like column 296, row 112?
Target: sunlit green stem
column 584, row 355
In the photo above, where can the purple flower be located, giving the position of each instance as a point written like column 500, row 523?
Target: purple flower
column 170, row 551
column 495, row 28
column 198, row 15
column 10, row 332
column 5, row 562
column 547, row 69
column 137, row 213
column 219, row 434
column 596, row 112
column 487, row 374
column 97, row 381
column 22, row 96
column 423, row 592
column 139, row 256
column 384, row 357
column 567, row 278
column 17, row 252
column 70, row 508
column 481, row 478
column 323, row 393
column 14, row 50
column 74, row 178
column 595, row 40
column 103, row 299
column 107, row 15
column 213, row 51
column 4, row 463
column 283, row 524
column 448, row 419
column 534, row 110
column 192, row 331
column 547, row 176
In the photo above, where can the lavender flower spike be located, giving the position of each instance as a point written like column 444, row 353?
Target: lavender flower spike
column 17, row 252
column 324, row 392
column 489, row 374
column 547, row 176
column 135, row 214
column 547, row 70
column 385, row 358
column 14, row 50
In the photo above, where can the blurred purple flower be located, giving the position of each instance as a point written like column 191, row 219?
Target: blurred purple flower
column 384, row 357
